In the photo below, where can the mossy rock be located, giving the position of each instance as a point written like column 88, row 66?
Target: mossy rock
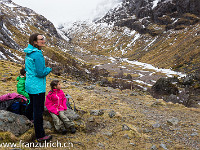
column 10, row 137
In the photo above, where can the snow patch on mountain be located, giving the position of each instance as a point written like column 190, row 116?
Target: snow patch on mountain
column 137, row 36
column 155, row 2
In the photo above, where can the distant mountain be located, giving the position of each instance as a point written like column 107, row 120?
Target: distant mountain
column 164, row 33
column 139, row 14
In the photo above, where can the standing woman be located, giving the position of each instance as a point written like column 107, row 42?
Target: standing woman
column 35, row 84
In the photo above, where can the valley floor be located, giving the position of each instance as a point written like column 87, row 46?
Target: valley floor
column 143, row 74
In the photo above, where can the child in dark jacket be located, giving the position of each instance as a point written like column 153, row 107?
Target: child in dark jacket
column 21, row 84
column 56, row 105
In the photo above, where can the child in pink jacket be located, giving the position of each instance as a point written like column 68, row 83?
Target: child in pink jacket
column 56, row 105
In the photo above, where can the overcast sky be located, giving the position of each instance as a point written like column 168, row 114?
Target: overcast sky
column 61, row 11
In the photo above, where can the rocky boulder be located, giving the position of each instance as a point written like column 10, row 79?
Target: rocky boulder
column 164, row 87
column 16, row 124
column 184, row 91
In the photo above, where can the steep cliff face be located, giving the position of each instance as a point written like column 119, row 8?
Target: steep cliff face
column 133, row 13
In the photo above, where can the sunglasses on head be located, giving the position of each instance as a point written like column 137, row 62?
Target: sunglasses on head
column 43, row 38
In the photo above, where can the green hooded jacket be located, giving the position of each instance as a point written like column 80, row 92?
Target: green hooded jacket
column 21, row 87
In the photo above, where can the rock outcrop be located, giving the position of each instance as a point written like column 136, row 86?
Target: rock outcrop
column 185, row 91
column 16, row 124
column 139, row 14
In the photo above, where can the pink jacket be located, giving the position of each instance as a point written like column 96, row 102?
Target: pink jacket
column 56, row 101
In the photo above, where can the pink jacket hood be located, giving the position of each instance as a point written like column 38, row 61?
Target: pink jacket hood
column 56, row 101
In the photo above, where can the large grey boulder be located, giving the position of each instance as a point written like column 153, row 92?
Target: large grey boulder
column 163, row 86
column 16, row 124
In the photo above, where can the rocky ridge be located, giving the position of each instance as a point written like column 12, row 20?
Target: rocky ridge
column 137, row 14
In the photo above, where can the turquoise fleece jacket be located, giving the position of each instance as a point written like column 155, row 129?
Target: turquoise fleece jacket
column 36, row 71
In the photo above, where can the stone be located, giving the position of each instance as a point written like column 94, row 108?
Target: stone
column 14, row 123
column 194, row 134
column 96, row 112
column 125, row 127
column 75, row 83
column 47, row 125
column 147, row 131
column 134, row 94
column 101, row 145
column 173, row 121
column 163, row 146
column 164, row 87
column 109, row 134
column 133, row 144
column 91, row 119
column 112, row 113
column 153, row 147
column 126, row 136
column 172, row 98
column 156, row 125
column 89, row 87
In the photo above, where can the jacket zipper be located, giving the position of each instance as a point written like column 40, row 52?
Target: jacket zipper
column 58, row 100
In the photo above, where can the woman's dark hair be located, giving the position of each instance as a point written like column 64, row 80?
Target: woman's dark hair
column 22, row 71
column 33, row 38
column 54, row 83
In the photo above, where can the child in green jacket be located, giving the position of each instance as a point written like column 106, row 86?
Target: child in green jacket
column 21, row 84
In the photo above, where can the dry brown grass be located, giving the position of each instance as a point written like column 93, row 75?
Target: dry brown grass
column 105, row 132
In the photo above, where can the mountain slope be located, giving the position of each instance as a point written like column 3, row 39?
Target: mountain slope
column 18, row 23
column 163, row 33
column 128, row 41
